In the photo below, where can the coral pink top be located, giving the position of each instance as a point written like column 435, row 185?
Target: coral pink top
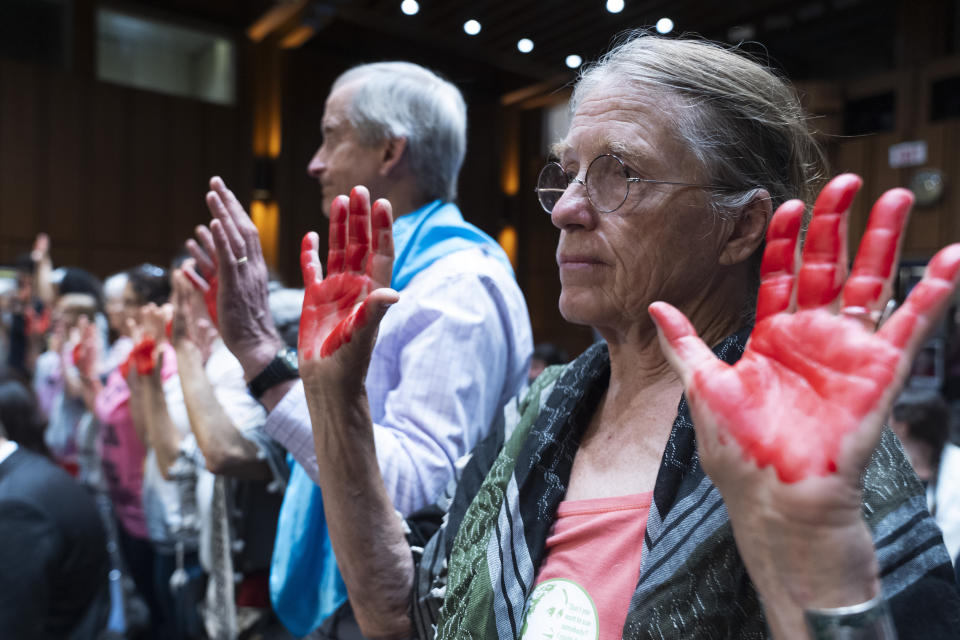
column 590, row 570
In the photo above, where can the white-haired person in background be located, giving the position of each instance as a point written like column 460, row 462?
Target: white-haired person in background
column 449, row 354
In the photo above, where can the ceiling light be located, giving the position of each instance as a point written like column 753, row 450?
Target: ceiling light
column 614, row 6
column 574, row 61
column 410, row 7
column 525, row 45
column 471, row 27
column 664, row 25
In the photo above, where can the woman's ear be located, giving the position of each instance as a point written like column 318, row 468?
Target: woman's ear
column 393, row 149
column 749, row 228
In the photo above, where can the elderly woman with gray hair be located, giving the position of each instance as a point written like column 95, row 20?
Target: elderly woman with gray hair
column 706, row 472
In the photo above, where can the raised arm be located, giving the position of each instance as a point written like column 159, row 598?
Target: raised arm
column 43, row 269
column 225, row 449
column 146, row 383
column 338, row 328
column 786, row 433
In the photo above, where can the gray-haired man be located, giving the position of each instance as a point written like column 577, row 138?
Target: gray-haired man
column 449, row 354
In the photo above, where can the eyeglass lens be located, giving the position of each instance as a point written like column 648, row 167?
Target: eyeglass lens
column 606, row 184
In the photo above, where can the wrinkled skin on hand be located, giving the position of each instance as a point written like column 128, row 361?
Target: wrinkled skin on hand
column 353, row 297
column 810, row 393
column 231, row 248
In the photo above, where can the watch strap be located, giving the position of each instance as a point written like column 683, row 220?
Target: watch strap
column 283, row 367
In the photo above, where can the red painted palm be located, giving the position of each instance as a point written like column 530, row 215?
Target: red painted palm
column 809, row 396
column 359, row 264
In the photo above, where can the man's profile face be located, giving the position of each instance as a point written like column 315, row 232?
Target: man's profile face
column 342, row 161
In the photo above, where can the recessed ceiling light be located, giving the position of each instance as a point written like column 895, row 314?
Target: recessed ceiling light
column 525, row 45
column 664, row 25
column 471, row 27
column 614, row 6
column 410, row 7
column 574, row 61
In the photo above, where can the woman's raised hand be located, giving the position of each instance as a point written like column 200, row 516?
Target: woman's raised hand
column 341, row 312
column 786, row 432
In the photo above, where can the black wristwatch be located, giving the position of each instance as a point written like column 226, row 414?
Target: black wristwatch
column 283, row 367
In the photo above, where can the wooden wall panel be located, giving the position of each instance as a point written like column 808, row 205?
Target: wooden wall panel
column 117, row 176
column 20, row 158
column 930, row 228
column 145, row 154
column 108, row 189
column 185, row 204
column 66, row 165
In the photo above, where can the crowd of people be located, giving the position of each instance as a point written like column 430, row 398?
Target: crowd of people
column 372, row 456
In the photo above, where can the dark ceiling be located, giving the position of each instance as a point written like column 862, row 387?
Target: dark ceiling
column 808, row 39
column 805, row 38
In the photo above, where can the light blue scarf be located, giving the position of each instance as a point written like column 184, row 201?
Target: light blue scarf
column 431, row 232
column 305, row 585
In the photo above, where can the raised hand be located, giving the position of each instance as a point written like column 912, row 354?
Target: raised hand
column 205, row 285
column 231, row 249
column 150, row 333
column 786, row 432
column 86, row 348
column 348, row 304
column 190, row 322
column 41, row 248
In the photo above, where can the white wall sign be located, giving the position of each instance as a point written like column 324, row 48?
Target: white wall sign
column 908, row 154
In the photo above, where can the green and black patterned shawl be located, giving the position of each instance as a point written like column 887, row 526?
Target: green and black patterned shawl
column 478, row 550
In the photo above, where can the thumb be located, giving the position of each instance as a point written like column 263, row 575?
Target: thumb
column 681, row 345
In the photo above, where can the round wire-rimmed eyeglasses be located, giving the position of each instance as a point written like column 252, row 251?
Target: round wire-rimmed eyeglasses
column 607, row 183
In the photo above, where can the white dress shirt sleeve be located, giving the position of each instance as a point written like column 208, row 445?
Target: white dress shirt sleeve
column 449, row 355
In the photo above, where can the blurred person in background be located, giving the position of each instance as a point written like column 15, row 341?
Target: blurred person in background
column 545, row 354
column 239, row 511
column 53, row 549
column 921, row 420
column 122, row 449
column 56, row 383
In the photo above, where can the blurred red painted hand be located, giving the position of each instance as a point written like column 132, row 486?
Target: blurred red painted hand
column 206, row 285
column 816, row 381
column 353, row 297
column 86, row 348
column 36, row 324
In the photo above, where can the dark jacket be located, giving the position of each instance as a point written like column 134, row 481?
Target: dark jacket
column 53, row 553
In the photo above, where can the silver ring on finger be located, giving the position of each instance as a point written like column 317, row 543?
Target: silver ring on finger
column 866, row 316
column 241, row 260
